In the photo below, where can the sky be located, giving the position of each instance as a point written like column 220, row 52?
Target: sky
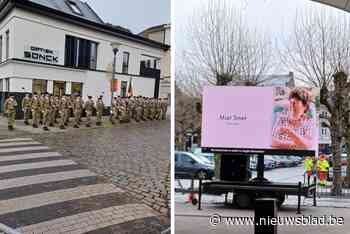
column 135, row 15
column 274, row 17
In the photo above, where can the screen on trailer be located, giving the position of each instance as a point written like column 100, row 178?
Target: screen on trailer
column 260, row 120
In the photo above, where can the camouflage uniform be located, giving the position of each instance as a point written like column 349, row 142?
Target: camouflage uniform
column 46, row 110
column 114, row 110
column 78, row 109
column 35, row 105
column 26, row 105
column 164, row 105
column 10, row 110
column 63, row 110
column 89, row 108
column 99, row 111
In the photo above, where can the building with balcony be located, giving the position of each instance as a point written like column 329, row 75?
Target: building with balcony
column 63, row 47
column 162, row 34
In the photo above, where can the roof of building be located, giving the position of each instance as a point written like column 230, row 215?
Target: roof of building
column 63, row 5
column 155, row 28
column 88, row 18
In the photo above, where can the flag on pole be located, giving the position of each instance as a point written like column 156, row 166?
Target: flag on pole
column 130, row 91
column 114, row 85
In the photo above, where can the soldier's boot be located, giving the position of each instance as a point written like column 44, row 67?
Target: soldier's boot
column 51, row 125
column 87, row 125
column 10, row 127
column 26, row 122
column 35, row 126
column 46, row 128
column 62, row 127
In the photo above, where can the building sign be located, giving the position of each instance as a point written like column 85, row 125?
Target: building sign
column 39, row 54
column 260, row 120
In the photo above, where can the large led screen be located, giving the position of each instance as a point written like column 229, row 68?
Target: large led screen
column 266, row 120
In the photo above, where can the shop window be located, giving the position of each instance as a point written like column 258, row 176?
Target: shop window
column 59, row 88
column 39, row 86
column 123, row 88
column 77, row 88
column 126, row 56
column 80, row 53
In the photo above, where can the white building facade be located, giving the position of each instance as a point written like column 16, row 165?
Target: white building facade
column 59, row 52
column 162, row 33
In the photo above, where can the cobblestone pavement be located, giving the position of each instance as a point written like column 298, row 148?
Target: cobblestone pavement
column 134, row 156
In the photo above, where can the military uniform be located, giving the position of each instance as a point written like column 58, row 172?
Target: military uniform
column 10, row 110
column 46, row 110
column 99, row 111
column 164, row 106
column 26, row 107
column 114, row 110
column 63, row 110
column 89, row 108
column 78, row 109
column 35, row 105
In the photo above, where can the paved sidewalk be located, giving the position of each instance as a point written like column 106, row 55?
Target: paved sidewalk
column 42, row 191
column 190, row 220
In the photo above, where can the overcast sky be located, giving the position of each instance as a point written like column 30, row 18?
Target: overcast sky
column 135, row 15
column 269, row 16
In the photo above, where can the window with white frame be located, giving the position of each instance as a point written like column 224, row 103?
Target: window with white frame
column 7, row 44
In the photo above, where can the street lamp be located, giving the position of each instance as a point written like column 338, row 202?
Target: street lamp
column 115, row 48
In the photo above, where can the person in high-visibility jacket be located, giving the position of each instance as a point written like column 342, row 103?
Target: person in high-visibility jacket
column 322, row 169
column 309, row 165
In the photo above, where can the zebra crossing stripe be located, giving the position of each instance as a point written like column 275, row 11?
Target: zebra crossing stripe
column 92, row 220
column 48, row 198
column 16, row 144
column 44, row 178
column 16, row 139
column 29, row 156
column 10, row 150
column 37, row 165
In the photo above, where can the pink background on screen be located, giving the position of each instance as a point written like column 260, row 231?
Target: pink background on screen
column 255, row 103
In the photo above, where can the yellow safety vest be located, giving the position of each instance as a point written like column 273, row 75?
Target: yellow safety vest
column 308, row 164
column 322, row 165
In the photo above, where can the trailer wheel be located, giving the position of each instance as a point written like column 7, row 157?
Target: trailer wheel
column 280, row 200
column 243, row 200
column 194, row 201
column 202, row 175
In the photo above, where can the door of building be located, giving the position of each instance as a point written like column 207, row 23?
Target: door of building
column 123, row 88
column 59, row 88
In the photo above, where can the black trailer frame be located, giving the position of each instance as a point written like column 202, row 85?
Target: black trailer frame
column 258, row 185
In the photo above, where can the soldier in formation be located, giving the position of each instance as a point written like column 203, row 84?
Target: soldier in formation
column 10, row 111
column 49, row 111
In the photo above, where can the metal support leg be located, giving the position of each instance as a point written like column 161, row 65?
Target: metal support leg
column 200, row 194
column 299, row 197
column 314, row 194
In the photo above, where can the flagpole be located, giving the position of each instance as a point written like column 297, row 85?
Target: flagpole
column 115, row 47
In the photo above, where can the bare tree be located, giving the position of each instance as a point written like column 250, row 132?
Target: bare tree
column 223, row 48
column 318, row 51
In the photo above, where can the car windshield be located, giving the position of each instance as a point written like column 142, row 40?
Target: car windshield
column 204, row 159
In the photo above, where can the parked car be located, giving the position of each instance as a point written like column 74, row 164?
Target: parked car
column 209, row 156
column 188, row 166
column 296, row 160
column 269, row 163
column 285, row 162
